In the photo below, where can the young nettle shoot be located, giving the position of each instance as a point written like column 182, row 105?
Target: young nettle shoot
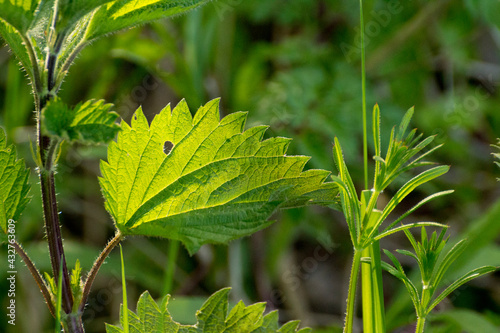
column 433, row 264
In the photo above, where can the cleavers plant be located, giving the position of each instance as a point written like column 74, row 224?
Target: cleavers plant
column 364, row 220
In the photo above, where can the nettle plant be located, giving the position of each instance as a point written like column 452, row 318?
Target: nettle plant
column 196, row 179
column 193, row 179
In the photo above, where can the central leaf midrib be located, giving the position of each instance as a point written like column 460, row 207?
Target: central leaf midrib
column 133, row 219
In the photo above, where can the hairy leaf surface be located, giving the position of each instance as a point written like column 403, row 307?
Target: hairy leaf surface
column 89, row 122
column 15, row 42
column 18, row 13
column 14, row 185
column 121, row 14
column 213, row 316
column 216, row 183
column 71, row 11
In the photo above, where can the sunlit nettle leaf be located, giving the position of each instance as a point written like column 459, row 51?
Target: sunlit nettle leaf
column 122, row 14
column 89, row 122
column 18, row 13
column 213, row 316
column 70, row 11
column 203, row 180
column 14, row 186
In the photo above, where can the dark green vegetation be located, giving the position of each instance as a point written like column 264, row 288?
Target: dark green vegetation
column 294, row 66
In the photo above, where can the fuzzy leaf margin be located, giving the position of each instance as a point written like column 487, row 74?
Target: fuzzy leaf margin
column 151, row 317
column 14, row 186
column 121, row 14
column 216, row 184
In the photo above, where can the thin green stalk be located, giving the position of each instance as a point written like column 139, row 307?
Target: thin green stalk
column 376, row 290
column 363, row 89
column 420, row 325
column 373, row 300
column 351, row 295
column 367, row 292
column 58, row 303
column 124, row 286
column 173, row 250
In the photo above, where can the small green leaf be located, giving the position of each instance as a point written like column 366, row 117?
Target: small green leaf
column 216, row 183
column 213, row 316
column 90, row 122
column 122, row 14
column 14, row 186
column 76, row 284
column 18, row 13
column 475, row 273
column 408, row 187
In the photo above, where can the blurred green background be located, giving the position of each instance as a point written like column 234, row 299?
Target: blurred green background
column 294, row 65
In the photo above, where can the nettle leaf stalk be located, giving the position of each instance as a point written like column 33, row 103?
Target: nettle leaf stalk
column 217, row 183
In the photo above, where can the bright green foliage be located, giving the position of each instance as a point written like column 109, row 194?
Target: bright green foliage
column 14, row 185
column 213, row 317
column 121, row 14
column 89, row 122
column 18, row 13
column 216, row 184
column 71, row 11
column 433, row 265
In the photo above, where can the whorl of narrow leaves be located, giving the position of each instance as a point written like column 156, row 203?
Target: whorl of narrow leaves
column 213, row 316
column 14, row 185
column 216, row 184
column 89, row 122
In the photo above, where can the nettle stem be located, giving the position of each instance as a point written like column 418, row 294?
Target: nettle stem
column 47, row 149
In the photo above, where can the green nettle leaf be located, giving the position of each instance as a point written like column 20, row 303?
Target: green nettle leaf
column 213, row 316
column 71, row 11
column 122, row 14
column 15, row 42
column 89, row 122
column 18, row 13
column 14, row 185
column 203, row 180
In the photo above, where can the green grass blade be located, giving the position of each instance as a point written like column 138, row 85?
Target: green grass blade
column 124, row 288
column 59, row 303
